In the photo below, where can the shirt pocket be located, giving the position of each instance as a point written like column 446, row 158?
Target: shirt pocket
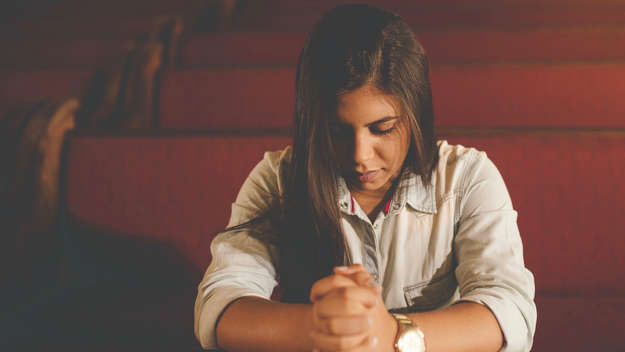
column 431, row 294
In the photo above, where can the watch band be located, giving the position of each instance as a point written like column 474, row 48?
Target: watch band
column 405, row 327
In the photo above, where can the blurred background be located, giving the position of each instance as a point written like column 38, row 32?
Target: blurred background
column 127, row 127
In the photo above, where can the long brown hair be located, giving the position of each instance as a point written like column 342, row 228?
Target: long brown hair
column 351, row 46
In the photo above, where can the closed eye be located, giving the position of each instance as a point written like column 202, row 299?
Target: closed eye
column 383, row 127
column 382, row 131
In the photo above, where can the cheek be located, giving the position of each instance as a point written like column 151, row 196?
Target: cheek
column 394, row 156
column 395, row 151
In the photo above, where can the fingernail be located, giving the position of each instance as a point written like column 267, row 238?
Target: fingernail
column 369, row 321
column 373, row 341
column 341, row 268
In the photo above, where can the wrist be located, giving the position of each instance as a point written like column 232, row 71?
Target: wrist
column 409, row 337
column 391, row 333
column 309, row 327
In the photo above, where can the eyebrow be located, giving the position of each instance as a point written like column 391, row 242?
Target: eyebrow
column 382, row 120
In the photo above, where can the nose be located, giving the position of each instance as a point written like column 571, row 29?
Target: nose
column 363, row 148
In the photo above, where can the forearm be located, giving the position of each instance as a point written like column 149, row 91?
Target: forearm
column 465, row 326
column 257, row 324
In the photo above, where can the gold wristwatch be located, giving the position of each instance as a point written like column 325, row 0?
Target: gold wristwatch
column 409, row 337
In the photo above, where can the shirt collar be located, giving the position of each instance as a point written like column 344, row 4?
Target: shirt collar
column 410, row 190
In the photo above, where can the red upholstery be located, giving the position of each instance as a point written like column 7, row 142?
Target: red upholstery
column 242, row 48
column 32, row 85
column 582, row 323
column 115, row 8
column 174, row 189
column 116, row 19
column 261, row 15
column 230, row 98
column 56, row 53
column 559, row 95
column 96, row 27
column 456, row 45
column 305, row 5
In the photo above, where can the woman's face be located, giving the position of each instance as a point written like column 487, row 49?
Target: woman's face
column 372, row 139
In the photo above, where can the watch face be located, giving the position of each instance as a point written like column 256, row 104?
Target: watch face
column 411, row 341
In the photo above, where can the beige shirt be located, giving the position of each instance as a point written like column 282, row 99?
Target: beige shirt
column 455, row 240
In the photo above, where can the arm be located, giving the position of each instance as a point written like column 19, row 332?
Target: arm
column 496, row 308
column 489, row 252
column 253, row 323
column 257, row 324
column 243, row 264
column 465, row 326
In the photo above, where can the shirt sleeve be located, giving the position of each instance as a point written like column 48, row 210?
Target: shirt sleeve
column 489, row 251
column 242, row 265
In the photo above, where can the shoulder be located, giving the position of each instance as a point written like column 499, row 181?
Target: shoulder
column 468, row 175
column 262, row 188
column 268, row 172
column 461, row 169
column 455, row 165
column 453, row 155
column 277, row 159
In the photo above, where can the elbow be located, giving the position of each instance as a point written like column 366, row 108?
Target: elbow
column 203, row 334
column 516, row 319
column 202, row 327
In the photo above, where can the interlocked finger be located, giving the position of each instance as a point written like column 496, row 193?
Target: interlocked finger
column 345, row 302
column 325, row 342
column 354, row 325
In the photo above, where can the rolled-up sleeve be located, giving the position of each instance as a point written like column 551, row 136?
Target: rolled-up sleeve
column 489, row 252
column 242, row 265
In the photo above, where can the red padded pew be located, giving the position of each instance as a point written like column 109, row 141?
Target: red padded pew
column 59, row 53
column 17, row 85
column 442, row 46
column 174, row 188
column 176, row 191
column 27, row 86
column 300, row 16
column 545, row 95
column 118, row 19
column 81, row 28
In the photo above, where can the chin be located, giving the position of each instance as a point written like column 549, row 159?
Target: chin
column 374, row 186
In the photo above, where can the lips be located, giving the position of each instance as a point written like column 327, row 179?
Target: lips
column 368, row 176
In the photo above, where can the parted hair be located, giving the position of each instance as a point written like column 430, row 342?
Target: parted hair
column 349, row 47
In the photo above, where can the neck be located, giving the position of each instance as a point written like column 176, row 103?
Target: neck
column 372, row 202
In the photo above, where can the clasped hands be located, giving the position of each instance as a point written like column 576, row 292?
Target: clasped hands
column 348, row 313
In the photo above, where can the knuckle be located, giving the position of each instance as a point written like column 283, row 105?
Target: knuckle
column 362, row 277
column 334, row 280
column 344, row 292
column 332, row 326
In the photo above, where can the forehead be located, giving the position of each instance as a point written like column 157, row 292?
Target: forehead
column 365, row 105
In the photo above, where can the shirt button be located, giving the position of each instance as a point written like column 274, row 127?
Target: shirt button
column 343, row 205
column 375, row 226
column 396, row 206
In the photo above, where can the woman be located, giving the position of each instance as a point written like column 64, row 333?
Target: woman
column 367, row 216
